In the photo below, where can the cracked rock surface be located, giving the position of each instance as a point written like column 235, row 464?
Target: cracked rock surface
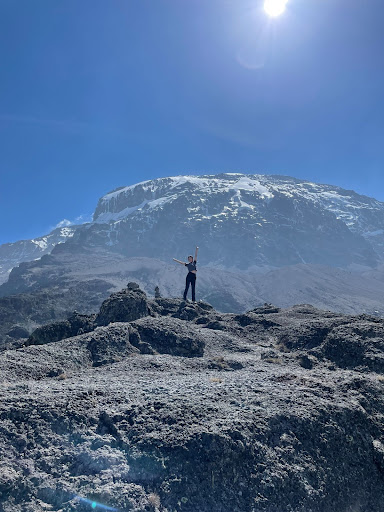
column 187, row 409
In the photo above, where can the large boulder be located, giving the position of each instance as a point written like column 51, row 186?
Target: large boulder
column 111, row 344
column 124, row 306
column 168, row 335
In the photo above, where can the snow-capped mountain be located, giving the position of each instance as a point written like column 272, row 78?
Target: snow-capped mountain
column 262, row 239
column 27, row 250
column 240, row 221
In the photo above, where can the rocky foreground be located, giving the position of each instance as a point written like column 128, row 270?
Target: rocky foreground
column 171, row 406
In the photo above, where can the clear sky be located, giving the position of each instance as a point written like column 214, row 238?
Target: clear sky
column 97, row 94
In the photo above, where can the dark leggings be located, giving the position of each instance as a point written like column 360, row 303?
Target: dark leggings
column 191, row 278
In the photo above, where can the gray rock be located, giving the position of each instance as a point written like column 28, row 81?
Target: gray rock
column 123, row 306
column 74, row 325
column 133, row 286
column 171, row 336
column 111, row 344
column 274, row 412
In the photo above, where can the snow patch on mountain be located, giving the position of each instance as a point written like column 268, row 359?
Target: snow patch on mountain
column 109, row 217
column 251, row 185
column 28, row 250
column 113, row 217
column 156, row 193
column 42, row 243
column 122, row 190
column 161, row 201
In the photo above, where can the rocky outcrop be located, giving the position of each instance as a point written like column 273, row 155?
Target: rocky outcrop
column 187, row 409
column 348, row 342
column 124, row 306
column 22, row 314
column 128, row 332
column 132, row 304
column 109, row 345
column 74, row 325
column 171, row 336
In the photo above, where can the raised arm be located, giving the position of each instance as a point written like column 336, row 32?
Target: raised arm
column 196, row 253
column 178, row 261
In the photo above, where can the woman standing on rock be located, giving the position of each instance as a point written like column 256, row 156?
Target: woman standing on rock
column 191, row 276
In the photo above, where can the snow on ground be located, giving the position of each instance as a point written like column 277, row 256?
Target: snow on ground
column 252, row 185
column 122, row 190
column 107, row 217
column 161, row 201
column 41, row 242
column 345, row 206
column 202, row 184
column 67, row 232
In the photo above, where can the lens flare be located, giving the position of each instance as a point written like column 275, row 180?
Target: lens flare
column 274, row 7
column 95, row 505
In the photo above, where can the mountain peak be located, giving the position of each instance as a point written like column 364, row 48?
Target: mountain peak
column 241, row 220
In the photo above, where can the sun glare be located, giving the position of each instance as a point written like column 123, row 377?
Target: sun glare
column 274, row 7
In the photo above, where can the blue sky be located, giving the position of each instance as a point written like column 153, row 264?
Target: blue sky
column 102, row 93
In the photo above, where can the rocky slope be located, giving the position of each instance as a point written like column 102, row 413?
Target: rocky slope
column 171, row 406
column 28, row 250
column 77, row 278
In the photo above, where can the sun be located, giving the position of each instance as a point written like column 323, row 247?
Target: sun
column 274, row 7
